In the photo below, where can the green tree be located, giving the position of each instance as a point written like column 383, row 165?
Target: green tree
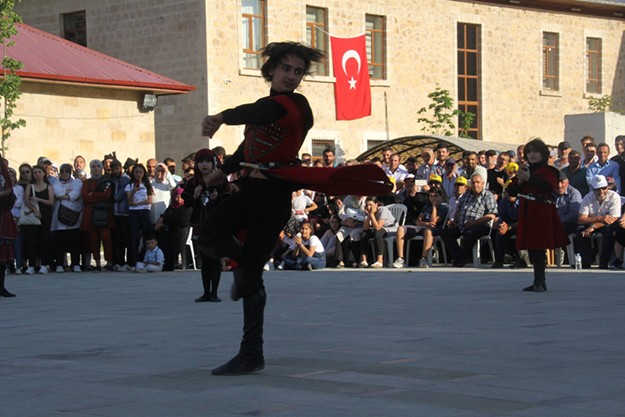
column 10, row 85
column 444, row 115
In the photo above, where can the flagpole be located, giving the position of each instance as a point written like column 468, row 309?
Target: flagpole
column 388, row 133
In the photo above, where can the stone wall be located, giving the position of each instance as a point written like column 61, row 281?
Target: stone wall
column 171, row 38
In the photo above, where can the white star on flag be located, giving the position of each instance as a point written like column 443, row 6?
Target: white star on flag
column 352, row 84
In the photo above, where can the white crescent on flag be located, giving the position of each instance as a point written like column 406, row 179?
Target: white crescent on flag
column 351, row 54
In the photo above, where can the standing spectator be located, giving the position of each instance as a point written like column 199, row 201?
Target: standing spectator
column 140, row 194
column 301, row 205
column 619, row 158
column 449, row 176
column 425, row 169
column 411, row 165
column 163, row 183
column 470, row 166
column 67, row 239
column 564, row 149
column 97, row 218
column 150, row 166
column 39, row 198
column 171, row 167
column 590, row 154
column 491, row 159
column 120, row 234
column 497, row 175
column 599, row 214
column 396, row 170
column 16, row 266
column 8, row 231
column 604, row 166
column 576, row 173
column 174, row 224
column 80, row 165
column 204, row 197
column 442, row 154
column 106, row 163
column 476, row 209
column 329, row 158
column 520, row 155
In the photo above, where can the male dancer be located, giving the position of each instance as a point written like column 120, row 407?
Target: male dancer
column 276, row 127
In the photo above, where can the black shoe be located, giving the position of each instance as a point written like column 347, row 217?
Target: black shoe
column 5, row 293
column 240, row 365
column 530, row 288
column 203, row 298
column 215, row 299
column 460, row 262
column 497, row 265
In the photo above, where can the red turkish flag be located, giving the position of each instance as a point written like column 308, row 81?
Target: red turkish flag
column 352, row 90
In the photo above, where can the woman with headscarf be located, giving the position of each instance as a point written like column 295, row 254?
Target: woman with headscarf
column 163, row 184
column 204, row 198
column 66, row 230
column 97, row 219
column 172, row 228
column 8, row 231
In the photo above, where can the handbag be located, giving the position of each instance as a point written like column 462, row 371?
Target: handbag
column 100, row 215
column 67, row 216
column 27, row 216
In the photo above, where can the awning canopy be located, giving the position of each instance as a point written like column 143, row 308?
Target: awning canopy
column 411, row 146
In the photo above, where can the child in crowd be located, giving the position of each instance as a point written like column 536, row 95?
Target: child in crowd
column 306, row 251
column 154, row 258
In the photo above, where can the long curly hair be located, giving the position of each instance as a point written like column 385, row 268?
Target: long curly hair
column 275, row 52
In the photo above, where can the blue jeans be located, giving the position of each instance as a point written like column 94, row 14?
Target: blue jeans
column 317, row 261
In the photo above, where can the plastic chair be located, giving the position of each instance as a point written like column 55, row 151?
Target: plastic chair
column 476, row 248
column 189, row 244
column 399, row 211
column 437, row 242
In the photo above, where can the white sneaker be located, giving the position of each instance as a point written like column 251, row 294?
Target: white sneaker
column 399, row 263
column 281, row 266
column 77, row 268
column 267, row 267
column 30, row 270
column 423, row 263
column 18, row 271
column 60, row 269
column 43, row 270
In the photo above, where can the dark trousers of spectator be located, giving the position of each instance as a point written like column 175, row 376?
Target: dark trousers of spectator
column 607, row 245
column 67, row 241
column 37, row 244
column 120, row 238
column 378, row 239
column 503, row 243
column 140, row 226
column 175, row 244
column 470, row 235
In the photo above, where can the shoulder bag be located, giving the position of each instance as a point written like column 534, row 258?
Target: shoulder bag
column 27, row 216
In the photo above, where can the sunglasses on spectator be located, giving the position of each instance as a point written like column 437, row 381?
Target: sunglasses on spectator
column 600, row 189
column 68, row 171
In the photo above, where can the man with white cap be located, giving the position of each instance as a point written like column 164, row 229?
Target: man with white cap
column 598, row 215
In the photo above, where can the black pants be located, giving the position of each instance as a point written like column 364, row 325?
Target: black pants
column 67, row 241
column 470, row 235
column 120, row 236
column 262, row 207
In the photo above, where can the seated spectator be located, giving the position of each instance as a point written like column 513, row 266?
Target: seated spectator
column 504, row 229
column 568, row 203
column 429, row 224
column 352, row 215
column 328, row 240
column 154, row 258
column 306, row 251
column 497, row 176
column 460, row 187
column 375, row 227
column 320, row 217
column 476, row 209
column 449, row 176
column 599, row 214
column 301, row 205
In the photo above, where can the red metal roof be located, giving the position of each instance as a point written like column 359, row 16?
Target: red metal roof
column 49, row 57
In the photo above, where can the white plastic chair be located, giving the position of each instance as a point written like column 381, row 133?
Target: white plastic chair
column 476, row 248
column 189, row 244
column 438, row 242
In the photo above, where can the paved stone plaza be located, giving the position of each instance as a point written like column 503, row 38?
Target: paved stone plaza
column 362, row 343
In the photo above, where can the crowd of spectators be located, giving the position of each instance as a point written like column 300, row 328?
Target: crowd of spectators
column 130, row 211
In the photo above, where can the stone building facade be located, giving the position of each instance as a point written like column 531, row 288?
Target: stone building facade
column 200, row 43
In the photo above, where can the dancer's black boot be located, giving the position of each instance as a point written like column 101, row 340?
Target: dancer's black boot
column 537, row 257
column 3, row 291
column 250, row 357
column 211, row 275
